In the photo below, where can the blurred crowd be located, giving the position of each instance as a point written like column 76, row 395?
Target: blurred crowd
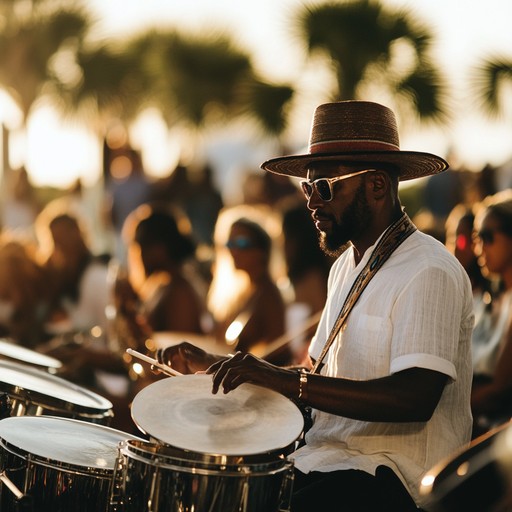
column 165, row 260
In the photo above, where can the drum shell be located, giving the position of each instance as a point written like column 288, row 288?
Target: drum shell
column 59, row 484
column 152, row 477
column 54, row 487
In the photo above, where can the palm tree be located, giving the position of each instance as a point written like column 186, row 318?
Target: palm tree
column 488, row 83
column 196, row 80
column 33, row 32
column 376, row 50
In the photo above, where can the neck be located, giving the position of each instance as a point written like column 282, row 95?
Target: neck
column 378, row 225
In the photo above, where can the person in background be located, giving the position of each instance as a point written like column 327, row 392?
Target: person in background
column 491, row 398
column 23, row 292
column 460, row 241
column 307, row 268
column 78, row 293
column 20, row 204
column 78, row 277
column 389, row 384
column 127, row 188
column 162, row 270
column 247, row 306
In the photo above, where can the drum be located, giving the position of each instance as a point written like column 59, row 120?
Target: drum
column 36, row 392
column 210, row 452
column 155, row 478
column 16, row 353
column 58, row 464
column 477, row 478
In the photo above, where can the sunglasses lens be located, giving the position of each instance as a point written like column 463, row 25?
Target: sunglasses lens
column 486, row 236
column 323, row 189
column 240, row 243
column 307, row 188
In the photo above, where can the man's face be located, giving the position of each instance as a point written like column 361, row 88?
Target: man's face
column 345, row 217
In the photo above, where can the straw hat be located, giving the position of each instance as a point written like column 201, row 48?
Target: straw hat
column 356, row 131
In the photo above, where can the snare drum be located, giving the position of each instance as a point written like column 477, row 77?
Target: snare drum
column 18, row 354
column 35, row 392
column 57, row 464
column 152, row 477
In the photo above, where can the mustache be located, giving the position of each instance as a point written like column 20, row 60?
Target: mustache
column 319, row 215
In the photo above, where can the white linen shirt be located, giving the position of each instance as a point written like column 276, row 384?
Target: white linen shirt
column 415, row 312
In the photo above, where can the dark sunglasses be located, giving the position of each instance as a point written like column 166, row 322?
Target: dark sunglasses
column 486, row 236
column 323, row 186
column 240, row 242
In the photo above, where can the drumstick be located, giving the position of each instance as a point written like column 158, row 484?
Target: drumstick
column 166, row 369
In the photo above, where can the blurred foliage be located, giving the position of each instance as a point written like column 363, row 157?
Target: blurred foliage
column 31, row 34
column 377, row 50
column 489, row 80
column 46, row 49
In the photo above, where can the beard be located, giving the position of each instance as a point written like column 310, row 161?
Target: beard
column 354, row 220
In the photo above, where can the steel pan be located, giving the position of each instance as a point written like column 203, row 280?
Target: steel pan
column 182, row 412
column 15, row 353
column 151, row 477
column 36, row 392
column 57, row 464
column 477, row 478
column 221, row 453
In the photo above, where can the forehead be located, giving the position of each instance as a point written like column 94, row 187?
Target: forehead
column 335, row 168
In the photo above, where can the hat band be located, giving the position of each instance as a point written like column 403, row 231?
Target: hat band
column 344, row 146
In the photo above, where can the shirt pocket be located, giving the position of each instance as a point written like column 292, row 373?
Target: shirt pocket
column 373, row 335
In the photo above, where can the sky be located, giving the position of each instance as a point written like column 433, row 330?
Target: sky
column 56, row 153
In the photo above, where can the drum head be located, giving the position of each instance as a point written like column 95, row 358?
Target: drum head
column 17, row 353
column 25, row 382
column 183, row 412
column 68, row 441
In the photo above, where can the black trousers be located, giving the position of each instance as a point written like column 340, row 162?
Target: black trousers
column 350, row 491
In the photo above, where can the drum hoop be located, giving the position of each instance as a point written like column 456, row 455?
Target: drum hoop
column 8, row 349
column 233, row 468
column 64, row 467
column 36, row 397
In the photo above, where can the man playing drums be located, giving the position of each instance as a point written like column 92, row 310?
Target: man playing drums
column 389, row 375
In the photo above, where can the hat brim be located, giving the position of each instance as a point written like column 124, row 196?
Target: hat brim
column 410, row 164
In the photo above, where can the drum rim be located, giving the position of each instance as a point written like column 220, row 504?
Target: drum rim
column 198, row 381
column 51, row 362
column 225, row 466
column 49, row 462
column 36, row 397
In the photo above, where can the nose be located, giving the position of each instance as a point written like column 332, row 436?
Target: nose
column 314, row 200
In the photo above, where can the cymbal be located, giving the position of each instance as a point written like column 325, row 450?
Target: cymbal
column 183, row 412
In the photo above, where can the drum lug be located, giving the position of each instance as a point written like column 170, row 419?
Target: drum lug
column 116, row 501
column 287, row 489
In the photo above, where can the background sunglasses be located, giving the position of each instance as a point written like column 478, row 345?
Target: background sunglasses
column 240, row 242
column 486, row 236
column 323, row 186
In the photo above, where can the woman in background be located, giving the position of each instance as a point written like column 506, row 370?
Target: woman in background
column 491, row 398
column 246, row 304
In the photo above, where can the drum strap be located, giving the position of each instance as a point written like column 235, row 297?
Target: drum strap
column 390, row 240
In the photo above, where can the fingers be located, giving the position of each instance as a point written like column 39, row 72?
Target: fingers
column 184, row 357
column 230, row 372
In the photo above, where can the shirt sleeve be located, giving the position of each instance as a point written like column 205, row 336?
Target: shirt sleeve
column 426, row 321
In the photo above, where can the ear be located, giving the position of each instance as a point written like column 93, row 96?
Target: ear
column 379, row 184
